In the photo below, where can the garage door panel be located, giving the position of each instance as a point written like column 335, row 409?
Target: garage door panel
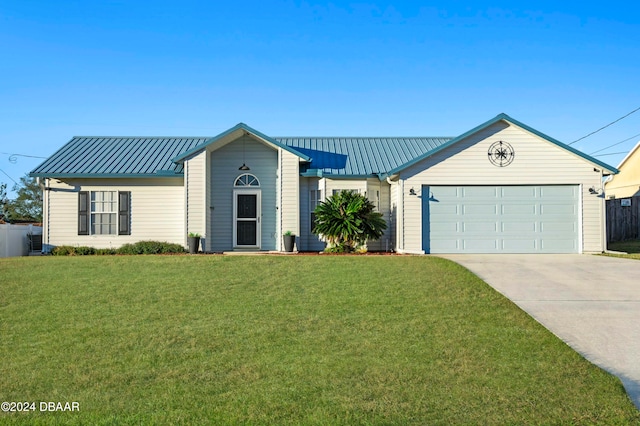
column 444, row 191
column 561, row 192
column 479, row 191
column 449, row 245
column 445, row 229
column 559, row 246
column 526, row 192
column 549, row 227
column 480, row 245
column 519, row 209
column 479, row 209
column 557, row 209
column 444, row 209
column 479, row 228
column 518, row 227
column 495, row 219
column 519, row 246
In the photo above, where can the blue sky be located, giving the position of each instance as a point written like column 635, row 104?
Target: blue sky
column 298, row 68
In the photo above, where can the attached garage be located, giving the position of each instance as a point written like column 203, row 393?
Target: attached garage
column 501, row 219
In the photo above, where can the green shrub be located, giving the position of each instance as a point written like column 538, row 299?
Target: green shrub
column 105, row 252
column 63, row 251
column 141, row 247
column 150, row 247
column 85, row 251
column 346, row 220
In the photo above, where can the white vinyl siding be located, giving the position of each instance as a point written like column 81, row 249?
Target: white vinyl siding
column 224, row 164
column 537, row 162
column 289, row 189
column 157, row 211
column 195, row 194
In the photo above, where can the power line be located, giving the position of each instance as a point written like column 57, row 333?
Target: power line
column 613, row 153
column 5, row 173
column 604, row 127
column 617, row 143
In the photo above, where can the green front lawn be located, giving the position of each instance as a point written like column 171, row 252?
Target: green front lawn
column 631, row 247
column 284, row 340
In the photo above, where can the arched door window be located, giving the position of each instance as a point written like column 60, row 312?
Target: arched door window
column 246, row 180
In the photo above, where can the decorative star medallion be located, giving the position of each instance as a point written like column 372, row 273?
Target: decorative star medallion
column 501, row 154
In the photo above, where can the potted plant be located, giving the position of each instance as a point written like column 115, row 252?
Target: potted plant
column 289, row 241
column 194, row 242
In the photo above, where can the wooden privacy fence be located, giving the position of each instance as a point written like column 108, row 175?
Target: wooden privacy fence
column 623, row 222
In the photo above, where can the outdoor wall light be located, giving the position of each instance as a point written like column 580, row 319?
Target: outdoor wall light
column 593, row 190
column 244, row 166
column 412, row 192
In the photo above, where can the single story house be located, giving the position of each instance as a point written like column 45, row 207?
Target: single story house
column 501, row 187
column 626, row 184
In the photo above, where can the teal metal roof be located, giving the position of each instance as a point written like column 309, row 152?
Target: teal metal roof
column 497, row 118
column 247, row 130
column 344, row 157
column 117, row 157
column 359, row 156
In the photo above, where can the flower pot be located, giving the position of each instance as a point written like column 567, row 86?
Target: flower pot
column 194, row 244
column 289, row 241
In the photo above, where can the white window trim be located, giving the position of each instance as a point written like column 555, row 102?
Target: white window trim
column 112, row 213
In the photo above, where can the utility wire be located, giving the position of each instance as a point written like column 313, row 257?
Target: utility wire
column 5, row 173
column 613, row 153
column 604, row 127
column 617, row 143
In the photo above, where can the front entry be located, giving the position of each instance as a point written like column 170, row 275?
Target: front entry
column 246, row 219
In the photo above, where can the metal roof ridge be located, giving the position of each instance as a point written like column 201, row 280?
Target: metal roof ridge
column 363, row 137
column 141, row 137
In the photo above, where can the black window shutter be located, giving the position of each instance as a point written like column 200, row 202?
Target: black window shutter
column 83, row 213
column 124, row 213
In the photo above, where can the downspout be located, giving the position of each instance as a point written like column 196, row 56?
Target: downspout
column 45, row 209
column 391, row 221
column 603, row 208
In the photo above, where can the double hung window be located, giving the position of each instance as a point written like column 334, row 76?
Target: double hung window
column 104, row 213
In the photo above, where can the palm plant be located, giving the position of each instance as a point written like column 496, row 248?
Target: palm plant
column 346, row 220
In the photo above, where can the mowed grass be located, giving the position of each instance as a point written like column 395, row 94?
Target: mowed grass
column 284, row 340
column 631, row 247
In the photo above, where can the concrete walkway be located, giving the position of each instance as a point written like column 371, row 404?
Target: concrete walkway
column 590, row 302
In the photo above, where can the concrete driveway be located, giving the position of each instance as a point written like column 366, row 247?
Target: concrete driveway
column 590, row 302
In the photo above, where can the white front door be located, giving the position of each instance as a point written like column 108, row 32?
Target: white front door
column 246, row 218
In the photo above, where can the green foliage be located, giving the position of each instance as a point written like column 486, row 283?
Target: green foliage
column 141, row 247
column 27, row 206
column 150, row 247
column 63, row 251
column 3, row 199
column 105, row 251
column 73, row 251
column 346, row 220
column 194, row 234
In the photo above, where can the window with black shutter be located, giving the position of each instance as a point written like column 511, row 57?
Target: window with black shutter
column 83, row 213
column 124, row 213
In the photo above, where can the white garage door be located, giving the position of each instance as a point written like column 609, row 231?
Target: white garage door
column 500, row 219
